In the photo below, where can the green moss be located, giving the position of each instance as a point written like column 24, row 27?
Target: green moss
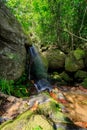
column 18, row 123
column 11, row 55
column 65, row 76
column 70, row 64
column 38, row 122
column 54, row 110
column 79, row 54
column 80, row 74
column 55, row 76
column 37, row 128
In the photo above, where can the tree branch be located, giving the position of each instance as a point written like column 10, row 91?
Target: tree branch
column 65, row 30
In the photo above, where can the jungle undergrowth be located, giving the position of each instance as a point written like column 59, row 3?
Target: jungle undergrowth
column 19, row 88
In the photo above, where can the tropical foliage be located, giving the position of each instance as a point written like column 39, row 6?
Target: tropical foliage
column 52, row 22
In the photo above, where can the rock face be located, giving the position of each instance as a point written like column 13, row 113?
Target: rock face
column 12, row 50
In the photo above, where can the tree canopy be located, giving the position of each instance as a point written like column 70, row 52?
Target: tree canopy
column 52, row 22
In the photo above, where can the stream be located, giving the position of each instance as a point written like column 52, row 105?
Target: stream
column 73, row 104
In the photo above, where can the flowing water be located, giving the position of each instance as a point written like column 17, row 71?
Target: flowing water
column 38, row 70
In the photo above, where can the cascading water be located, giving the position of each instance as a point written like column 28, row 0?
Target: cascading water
column 39, row 70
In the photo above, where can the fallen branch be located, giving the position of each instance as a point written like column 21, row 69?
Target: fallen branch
column 65, row 30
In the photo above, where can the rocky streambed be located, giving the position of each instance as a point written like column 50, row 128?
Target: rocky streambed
column 64, row 108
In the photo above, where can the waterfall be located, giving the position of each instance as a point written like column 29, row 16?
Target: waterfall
column 39, row 70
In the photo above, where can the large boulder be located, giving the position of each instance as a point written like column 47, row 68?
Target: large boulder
column 12, row 50
column 55, row 57
column 75, row 60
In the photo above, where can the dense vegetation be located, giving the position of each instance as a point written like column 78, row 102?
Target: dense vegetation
column 52, row 22
column 18, row 88
column 58, row 27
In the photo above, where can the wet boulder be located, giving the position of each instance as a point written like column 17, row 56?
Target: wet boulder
column 12, row 50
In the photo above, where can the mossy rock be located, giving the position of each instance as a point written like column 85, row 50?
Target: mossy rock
column 19, row 123
column 53, row 109
column 65, row 77
column 28, row 121
column 38, row 122
column 79, row 54
column 56, row 58
column 12, row 48
column 84, row 83
column 55, row 76
column 72, row 63
column 80, row 74
column 61, row 79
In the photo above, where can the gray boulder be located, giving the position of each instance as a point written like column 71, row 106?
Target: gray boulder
column 12, row 50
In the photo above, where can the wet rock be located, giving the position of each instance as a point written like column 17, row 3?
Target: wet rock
column 41, row 98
